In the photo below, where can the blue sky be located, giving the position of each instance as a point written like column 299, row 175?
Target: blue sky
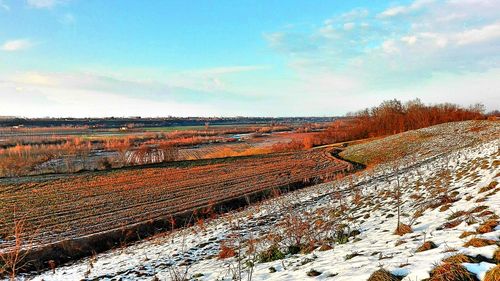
column 254, row 58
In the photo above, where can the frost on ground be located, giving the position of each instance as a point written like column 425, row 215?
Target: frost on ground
column 343, row 230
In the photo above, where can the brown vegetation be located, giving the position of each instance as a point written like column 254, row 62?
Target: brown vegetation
column 392, row 117
column 479, row 242
column 382, row 275
column 403, row 229
column 428, row 245
column 493, row 274
column 487, row 226
column 451, row 271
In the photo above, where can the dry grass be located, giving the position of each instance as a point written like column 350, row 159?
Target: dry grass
column 489, row 187
column 466, row 233
column 487, row 226
column 403, row 229
column 428, row 245
column 479, row 242
column 459, row 258
column 496, row 256
column 399, row 242
column 493, row 274
column 325, row 247
column 478, row 209
column 452, row 224
column 456, row 215
column 444, row 207
column 382, row 275
column 451, row 272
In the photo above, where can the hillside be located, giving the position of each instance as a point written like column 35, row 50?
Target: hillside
column 447, row 177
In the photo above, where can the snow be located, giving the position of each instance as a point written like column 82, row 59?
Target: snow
column 195, row 248
column 479, row 269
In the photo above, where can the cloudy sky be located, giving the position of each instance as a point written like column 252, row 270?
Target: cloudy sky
column 254, row 58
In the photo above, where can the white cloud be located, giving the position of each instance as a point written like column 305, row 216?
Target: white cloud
column 399, row 10
column 43, row 4
column 478, row 35
column 16, row 45
column 389, row 46
column 394, row 11
column 398, row 52
column 349, row 25
column 410, row 40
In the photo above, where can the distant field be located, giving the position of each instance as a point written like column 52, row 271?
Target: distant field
column 199, row 127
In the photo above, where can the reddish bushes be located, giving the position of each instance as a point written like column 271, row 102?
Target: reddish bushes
column 392, row 117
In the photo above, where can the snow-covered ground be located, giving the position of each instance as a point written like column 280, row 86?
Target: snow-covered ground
column 364, row 202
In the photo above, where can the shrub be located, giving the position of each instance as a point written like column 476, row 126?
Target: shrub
column 271, row 254
column 294, row 249
column 382, row 275
column 427, row 246
column 479, row 242
column 451, row 271
column 226, row 252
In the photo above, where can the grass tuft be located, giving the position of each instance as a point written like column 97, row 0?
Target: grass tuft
column 428, row 245
column 493, row 274
column 489, row 187
column 382, row 275
column 466, row 233
column 403, row 229
column 487, row 226
column 451, row 271
column 459, row 258
column 479, row 242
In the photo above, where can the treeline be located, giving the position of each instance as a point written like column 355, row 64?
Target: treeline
column 393, row 116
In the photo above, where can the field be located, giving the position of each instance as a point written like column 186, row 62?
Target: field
column 45, row 150
column 443, row 192
column 63, row 207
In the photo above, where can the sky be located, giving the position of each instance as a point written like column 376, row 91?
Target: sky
column 95, row 58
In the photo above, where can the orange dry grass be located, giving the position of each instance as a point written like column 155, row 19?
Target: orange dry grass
column 496, row 256
column 382, row 275
column 451, row 271
column 402, row 229
column 487, row 226
column 479, row 242
column 466, row 233
column 493, row 274
column 458, row 259
column 427, row 246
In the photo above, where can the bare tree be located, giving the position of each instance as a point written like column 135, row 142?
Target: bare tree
column 14, row 258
